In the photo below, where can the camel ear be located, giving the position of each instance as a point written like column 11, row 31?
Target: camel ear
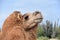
column 19, row 16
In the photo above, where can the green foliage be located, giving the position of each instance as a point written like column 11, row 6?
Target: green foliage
column 58, row 36
column 48, row 29
column 42, row 38
column 54, row 30
column 40, row 31
column 58, row 32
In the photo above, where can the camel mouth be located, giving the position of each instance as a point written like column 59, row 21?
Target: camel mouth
column 38, row 18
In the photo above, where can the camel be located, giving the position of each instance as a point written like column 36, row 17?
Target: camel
column 21, row 27
column 33, row 19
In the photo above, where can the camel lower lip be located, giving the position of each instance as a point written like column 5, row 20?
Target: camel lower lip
column 38, row 18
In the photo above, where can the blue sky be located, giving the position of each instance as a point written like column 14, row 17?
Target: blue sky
column 50, row 8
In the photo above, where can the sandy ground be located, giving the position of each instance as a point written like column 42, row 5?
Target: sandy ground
column 53, row 39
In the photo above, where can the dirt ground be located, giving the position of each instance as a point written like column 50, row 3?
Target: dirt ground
column 53, row 39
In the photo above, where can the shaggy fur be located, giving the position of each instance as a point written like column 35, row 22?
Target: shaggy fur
column 13, row 27
column 16, row 27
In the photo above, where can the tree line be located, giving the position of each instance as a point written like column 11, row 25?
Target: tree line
column 49, row 29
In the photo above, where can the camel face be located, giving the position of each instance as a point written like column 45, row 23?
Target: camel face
column 33, row 18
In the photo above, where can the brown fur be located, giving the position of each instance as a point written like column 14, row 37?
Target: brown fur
column 10, row 22
column 15, row 28
column 10, row 29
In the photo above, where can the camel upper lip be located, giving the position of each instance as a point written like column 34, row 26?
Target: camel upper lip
column 38, row 18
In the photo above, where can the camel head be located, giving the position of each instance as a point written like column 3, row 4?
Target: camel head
column 32, row 19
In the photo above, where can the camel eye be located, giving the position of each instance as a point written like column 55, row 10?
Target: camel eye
column 26, row 17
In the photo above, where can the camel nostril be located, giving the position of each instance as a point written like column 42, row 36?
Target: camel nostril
column 37, row 12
